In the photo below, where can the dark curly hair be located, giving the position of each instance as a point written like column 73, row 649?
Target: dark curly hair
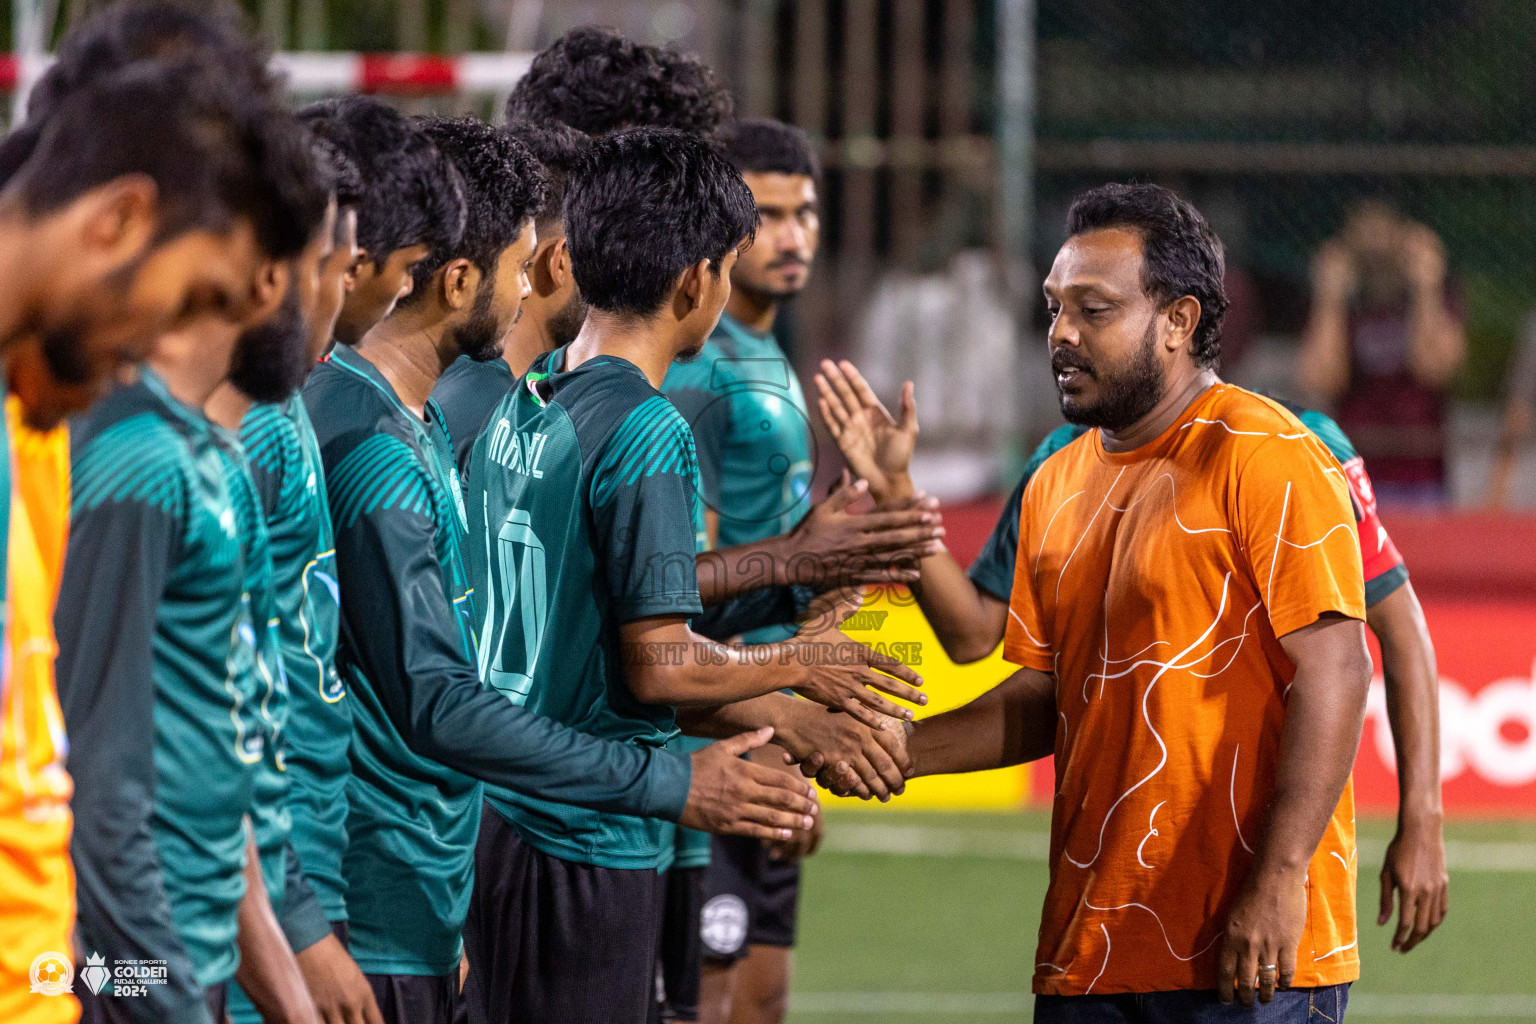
column 643, row 206
column 597, row 81
column 558, row 148
column 338, row 171
column 503, row 187
column 411, row 193
column 763, row 145
column 1181, row 255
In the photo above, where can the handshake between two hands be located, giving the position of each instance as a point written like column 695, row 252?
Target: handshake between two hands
column 846, row 736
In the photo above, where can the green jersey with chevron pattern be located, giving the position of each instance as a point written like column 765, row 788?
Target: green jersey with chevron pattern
column 156, row 673
column 584, row 515
column 285, row 465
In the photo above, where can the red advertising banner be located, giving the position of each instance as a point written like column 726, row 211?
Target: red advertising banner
column 1487, row 657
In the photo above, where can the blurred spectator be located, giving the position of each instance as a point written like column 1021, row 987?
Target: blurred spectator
column 1519, row 415
column 1384, row 339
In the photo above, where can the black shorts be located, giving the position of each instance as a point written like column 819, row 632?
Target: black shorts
column 749, row 900
column 415, row 998
column 556, row 942
column 681, row 948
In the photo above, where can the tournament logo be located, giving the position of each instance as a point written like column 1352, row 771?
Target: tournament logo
column 95, row 974
column 723, row 924
column 53, row 974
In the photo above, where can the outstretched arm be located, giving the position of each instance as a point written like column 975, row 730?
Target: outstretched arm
column 1415, row 861
column 1010, row 724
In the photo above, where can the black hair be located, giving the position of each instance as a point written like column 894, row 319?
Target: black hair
column 1180, row 254
column 597, row 81
column 213, row 153
column 762, row 145
column 643, row 206
column 338, row 171
column 411, row 193
column 558, row 148
column 133, row 30
column 503, row 187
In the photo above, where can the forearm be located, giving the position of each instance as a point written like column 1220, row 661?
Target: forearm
column 1437, row 342
column 968, row 621
column 1323, row 368
column 734, row 571
column 1413, row 702
column 1010, row 724
column 718, row 723
column 693, row 671
column 268, row 973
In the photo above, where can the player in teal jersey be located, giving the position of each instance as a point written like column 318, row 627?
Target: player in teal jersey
column 968, row 611
column 425, row 731
column 749, row 418
column 586, row 468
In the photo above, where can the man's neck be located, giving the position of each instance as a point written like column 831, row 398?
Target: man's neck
column 1189, row 386
column 191, row 373
column 752, row 310
column 407, row 349
column 639, row 342
column 227, row 406
column 527, row 340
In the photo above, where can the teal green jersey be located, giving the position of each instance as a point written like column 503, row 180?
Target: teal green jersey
column 467, row 393
column 743, row 401
column 156, row 677
column 269, row 686
column 425, row 732
column 1384, row 569
column 583, row 516
column 285, row 465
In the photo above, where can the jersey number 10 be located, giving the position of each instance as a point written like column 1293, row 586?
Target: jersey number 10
column 517, row 605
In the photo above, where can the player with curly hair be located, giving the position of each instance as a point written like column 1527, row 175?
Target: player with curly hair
column 596, row 81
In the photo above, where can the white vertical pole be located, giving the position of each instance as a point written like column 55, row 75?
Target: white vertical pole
column 1015, row 165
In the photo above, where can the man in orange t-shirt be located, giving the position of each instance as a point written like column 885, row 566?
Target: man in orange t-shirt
column 1187, row 607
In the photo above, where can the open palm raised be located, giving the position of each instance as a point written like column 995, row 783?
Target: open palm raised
column 877, row 446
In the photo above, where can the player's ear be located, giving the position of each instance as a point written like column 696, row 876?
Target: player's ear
column 695, row 281
column 359, row 269
column 1183, row 317
column 116, row 220
column 557, row 263
column 461, row 280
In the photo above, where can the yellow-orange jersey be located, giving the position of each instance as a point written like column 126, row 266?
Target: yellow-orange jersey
column 37, row 885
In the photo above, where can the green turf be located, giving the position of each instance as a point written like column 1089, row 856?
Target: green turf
column 951, row 938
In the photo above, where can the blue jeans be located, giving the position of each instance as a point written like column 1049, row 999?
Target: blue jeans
column 1290, row 1006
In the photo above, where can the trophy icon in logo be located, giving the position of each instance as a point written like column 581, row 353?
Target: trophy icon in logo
column 95, row 974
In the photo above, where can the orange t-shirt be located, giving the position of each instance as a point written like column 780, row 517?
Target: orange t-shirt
column 37, row 883
column 1154, row 583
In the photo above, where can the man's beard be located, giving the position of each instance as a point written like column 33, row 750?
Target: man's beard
column 480, row 336
column 768, row 294
column 271, row 359
column 63, row 349
column 1126, row 396
column 566, row 323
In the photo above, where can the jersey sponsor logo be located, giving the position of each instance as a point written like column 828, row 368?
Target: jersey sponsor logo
column 52, row 974
column 723, row 924
column 518, row 451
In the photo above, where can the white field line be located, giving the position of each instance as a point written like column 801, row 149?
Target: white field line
column 1364, row 1004
column 934, row 841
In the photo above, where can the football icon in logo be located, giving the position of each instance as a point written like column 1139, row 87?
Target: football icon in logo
column 53, row 974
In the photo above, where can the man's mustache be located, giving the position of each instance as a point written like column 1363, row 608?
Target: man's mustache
column 784, row 262
column 1062, row 361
